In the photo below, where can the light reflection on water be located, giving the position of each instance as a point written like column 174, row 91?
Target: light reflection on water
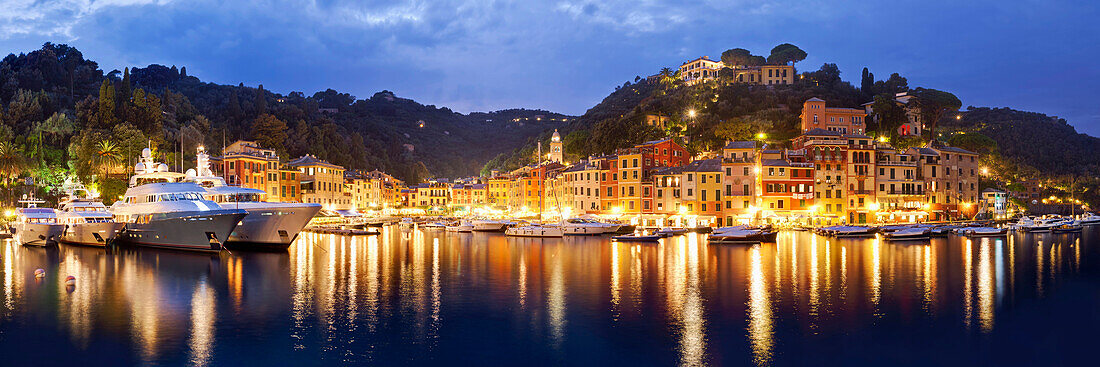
column 412, row 297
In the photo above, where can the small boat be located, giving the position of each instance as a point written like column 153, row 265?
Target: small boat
column 982, row 231
column 637, row 238
column 736, row 236
column 907, row 234
column 534, row 231
column 36, row 227
column 669, row 232
column 434, row 226
column 1067, row 228
column 892, row 228
column 850, row 231
column 460, row 227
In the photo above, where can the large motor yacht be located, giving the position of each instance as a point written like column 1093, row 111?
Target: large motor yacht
column 86, row 220
column 161, row 211
column 269, row 225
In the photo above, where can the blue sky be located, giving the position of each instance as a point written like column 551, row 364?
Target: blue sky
column 478, row 55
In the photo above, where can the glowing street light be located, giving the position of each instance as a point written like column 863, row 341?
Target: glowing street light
column 691, row 113
column 985, row 171
column 761, row 136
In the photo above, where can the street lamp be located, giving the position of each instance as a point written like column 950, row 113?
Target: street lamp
column 691, row 113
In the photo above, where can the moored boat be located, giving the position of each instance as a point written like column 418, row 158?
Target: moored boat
column 583, row 227
column 485, row 225
column 268, row 225
column 161, row 211
column 461, row 227
column 87, row 222
column 634, row 237
column 982, row 231
column 669, row 232
column 1066, row 228
column 744, row 235
column 534, row 231
column 36, row 227
column 907, row 234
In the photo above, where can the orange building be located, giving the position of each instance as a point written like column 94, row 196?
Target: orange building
column 245, row 164
column 815, row 115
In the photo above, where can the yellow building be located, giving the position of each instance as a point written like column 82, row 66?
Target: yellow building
column 362, row 191
column 432, row 194
column 321, row 182
column 630, row 180
column 498, row 191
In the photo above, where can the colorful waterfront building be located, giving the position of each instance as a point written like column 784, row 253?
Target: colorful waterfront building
column 739, row 179
column 702, row 186
column 321, row 182
column 816, row 115
column 828, row 152
column 289, row 185
column 900, row 190
column 860, row 179
column 246, row 164
column 787, row 188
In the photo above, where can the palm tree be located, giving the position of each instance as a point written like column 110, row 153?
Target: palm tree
column 668, row 78
column 107, row 154
column 12, row 163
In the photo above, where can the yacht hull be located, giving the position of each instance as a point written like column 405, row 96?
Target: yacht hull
column 586, row 230
column 197, row 231
column 489, row 226
column 271, row 228
column 36, row 234
column 91, row 234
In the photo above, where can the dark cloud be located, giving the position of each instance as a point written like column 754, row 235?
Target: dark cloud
column 566, row 55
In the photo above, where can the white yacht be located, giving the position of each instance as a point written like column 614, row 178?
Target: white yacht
column 87, row 222
column 36, row 227
column 460, row 226
column 534, row 230
column 270, row 225
column 489, row 225
column 1089, row 219
column 161, row 211
column 1029, row 224
column 582, row 226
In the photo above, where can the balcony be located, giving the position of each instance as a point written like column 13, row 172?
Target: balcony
column 897, row 163
column 861, row 192
column 906, row 192
column 739, row 160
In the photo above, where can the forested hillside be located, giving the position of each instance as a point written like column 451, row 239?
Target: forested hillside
column 60, row 112
column 1015, row 145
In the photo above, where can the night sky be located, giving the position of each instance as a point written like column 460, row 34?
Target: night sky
column 565, row 56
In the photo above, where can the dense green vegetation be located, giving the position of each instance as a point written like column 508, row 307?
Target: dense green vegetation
column 60, row 113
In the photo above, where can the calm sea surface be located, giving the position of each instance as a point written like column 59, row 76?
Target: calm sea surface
column 418, row 298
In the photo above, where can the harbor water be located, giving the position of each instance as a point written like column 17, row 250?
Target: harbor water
column 410, row 297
